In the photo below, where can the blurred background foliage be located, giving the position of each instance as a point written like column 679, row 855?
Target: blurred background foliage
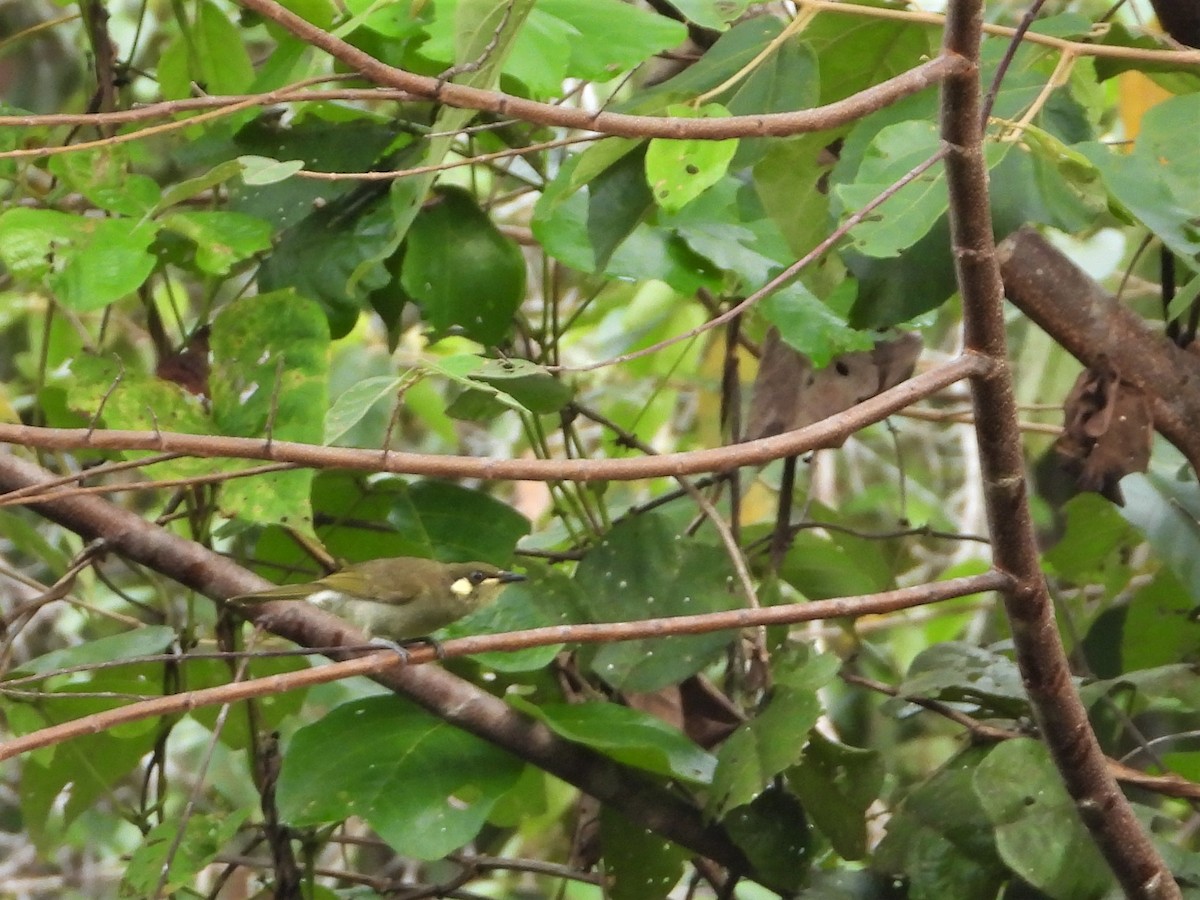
column 250, row 270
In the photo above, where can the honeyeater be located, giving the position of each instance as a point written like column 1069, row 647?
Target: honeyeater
column 397, row 599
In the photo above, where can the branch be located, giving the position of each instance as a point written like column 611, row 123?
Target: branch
column 319, row 629
column 1059, row 712
column 445, row 695
column 821, row 118
column 1089, row 322
column 752, row 453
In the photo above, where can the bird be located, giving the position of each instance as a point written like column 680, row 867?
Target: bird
column 402, row 598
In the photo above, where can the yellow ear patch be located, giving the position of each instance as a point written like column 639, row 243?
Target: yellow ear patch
column 462, row 587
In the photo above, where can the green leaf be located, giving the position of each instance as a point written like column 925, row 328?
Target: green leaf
column 1160, row 625
column 959, row 673
column 1095, row 544
column 593, row 204
column 606, row 37
column 147, row 641
column 461, row 270
column 1038, row 832
column 680, row 171
column 911, row 212
column 106, row 178
column 182, row 191
column 162, row 851
column 1167, row 512
column 222, row 239
column 138, row 402
column 87, row 262
column 811, row 327
column 262, row 170
column 837, row 784
column 355, row 402
column 396, row 20
column 773, row 832
column 462, row 523
column 528, row 383
column 940, row 840
column 629, row 736
column 270, row 369
column 639, row 864
column 641, row 570
column 224, row 66
column 320, row 257
column 385, row 516
column 872, row 51
column 425, row 786
column 712, row 13
column 775, row 738
column 1159, row 182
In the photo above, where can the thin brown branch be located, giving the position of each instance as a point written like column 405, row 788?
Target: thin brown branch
column 58, row 493
column 1170, row 785
column 1077, row 48
column 833, row 430
column 165, row 127
column 321, row 629
column 820, row 118
column 1057, row 707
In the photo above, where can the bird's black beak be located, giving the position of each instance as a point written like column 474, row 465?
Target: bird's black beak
column 509, row 577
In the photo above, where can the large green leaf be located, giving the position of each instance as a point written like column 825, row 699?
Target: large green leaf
column 642, row 570
column 270, row 368
column 462, row 271
column 640, row 864
column 629, row 736
column 837, row 784
column 1038, row 832
column 1159, row 182
column 107, row 179
column 138, row 402
column 164, row 863
column 774, row 739
column 940, row 839
column 773, row 832
column 960, row 673
column 1167, row 512
column 222, row 239
column 85, row 261
column 425, row 786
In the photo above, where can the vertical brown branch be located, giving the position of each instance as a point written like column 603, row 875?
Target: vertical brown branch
column 1040, row 655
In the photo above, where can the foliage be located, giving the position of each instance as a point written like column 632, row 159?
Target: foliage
column 334, row 266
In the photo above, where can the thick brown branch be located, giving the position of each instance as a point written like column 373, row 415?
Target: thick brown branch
column 752, row 453
column 820, row 118
column 1040, row 656
column 1089, row 322
column 455, row 700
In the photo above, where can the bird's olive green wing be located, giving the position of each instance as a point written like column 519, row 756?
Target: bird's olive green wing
column 283, row 592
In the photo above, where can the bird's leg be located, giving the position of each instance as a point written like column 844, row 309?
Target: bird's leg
column 385, row 644
column 438, row 650
column 401, row 648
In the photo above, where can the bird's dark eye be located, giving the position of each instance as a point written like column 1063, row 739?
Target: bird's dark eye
column 477, row 577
